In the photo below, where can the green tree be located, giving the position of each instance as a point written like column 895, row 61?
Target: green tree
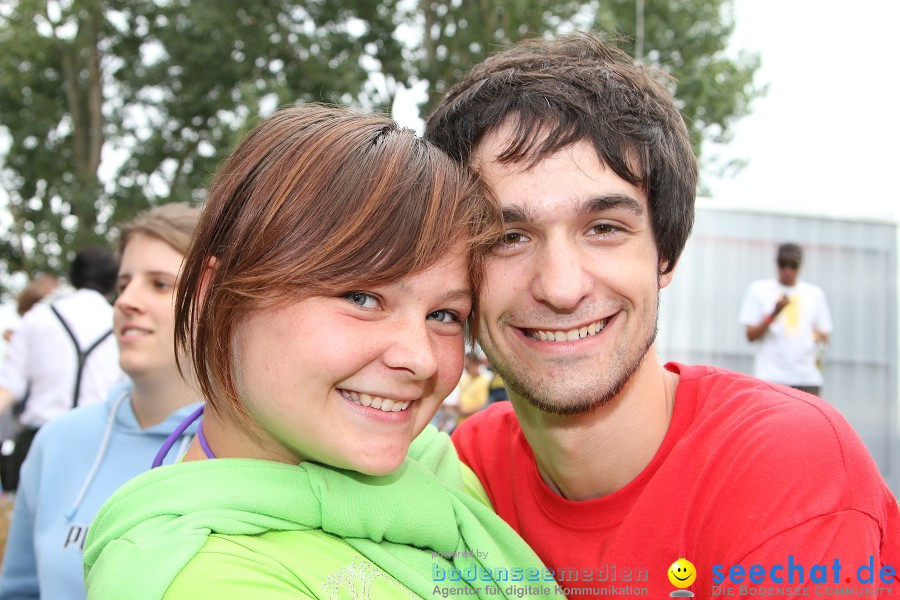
column 460, row 33
column 110, row 105
column 686, row 38
column 159, row 90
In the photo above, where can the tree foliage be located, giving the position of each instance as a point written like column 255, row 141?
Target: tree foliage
column 688, row 39
column 109, row 106
column 160, row 90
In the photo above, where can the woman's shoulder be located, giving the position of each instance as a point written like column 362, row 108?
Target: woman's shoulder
column 281, row 564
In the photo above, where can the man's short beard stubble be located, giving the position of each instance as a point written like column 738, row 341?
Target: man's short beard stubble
column 589, row 398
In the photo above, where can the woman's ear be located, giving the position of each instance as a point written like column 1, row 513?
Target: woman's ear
column 209, row 271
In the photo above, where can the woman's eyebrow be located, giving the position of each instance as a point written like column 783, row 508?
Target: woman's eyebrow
column 457, row 294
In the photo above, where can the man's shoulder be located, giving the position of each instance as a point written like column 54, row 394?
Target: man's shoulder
column 760, row 444
column 37, row 317
column 82, row 300
column 717, row 389
column 810, row 288
column 779, row 422
column 763, row 285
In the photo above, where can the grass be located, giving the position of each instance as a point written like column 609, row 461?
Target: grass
column 6, row 506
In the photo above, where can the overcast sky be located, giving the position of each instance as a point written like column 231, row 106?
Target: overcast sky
column 825, row 138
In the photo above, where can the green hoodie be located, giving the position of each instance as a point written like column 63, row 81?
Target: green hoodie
column 416, row 524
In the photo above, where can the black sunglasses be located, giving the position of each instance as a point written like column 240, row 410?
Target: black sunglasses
column 788, row 264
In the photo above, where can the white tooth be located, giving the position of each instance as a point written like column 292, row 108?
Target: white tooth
column 583, row 332
column 345, row 394
column 572, row 334
column 602, row 324
column 542, row 336
column 550, row 337
column 387, row 405
column 366, row 400
column 375, row 403
column 405, row 405
column 592, row 328
column 397, row 407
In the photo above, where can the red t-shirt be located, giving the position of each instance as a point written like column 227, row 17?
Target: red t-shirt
column 751, row 476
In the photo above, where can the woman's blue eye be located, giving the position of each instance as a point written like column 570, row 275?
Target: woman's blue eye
column 444, row 316
column 361, row 299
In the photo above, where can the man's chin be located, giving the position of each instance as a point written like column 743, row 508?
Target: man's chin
column 570, row 394
column 562, row 404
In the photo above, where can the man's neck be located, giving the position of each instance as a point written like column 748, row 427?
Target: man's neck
column 588, row 456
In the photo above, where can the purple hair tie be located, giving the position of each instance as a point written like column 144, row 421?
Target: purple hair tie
column 179, row 431
column 203, row 444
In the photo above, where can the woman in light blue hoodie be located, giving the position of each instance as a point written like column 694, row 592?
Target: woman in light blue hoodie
column 79, row 459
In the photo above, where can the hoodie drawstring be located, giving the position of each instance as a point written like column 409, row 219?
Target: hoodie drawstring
column 101, row 453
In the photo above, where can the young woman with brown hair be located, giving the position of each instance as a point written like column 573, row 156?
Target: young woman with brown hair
column 323, row 305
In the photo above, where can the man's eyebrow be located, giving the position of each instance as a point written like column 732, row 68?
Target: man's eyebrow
column 515, row 214
column 594, row 204
column 612, row 201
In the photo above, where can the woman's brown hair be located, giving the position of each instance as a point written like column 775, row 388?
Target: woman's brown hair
column 318, row 201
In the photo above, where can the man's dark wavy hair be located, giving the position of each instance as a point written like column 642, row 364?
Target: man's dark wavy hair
column 555, row 93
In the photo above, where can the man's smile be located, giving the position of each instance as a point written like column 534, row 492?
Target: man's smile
column 568, row 335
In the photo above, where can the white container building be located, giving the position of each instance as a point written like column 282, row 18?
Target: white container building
column 853, row 260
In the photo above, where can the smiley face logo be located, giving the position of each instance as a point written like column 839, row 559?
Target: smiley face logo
column 682, row 573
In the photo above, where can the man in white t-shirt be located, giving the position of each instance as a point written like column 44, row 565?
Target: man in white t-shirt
column 62, row 355
column 790, row 320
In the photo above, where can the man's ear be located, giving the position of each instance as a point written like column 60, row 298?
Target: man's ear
column 665, row 278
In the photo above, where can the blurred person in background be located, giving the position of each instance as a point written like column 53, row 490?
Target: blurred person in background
column 62, row 354
column 36, row 290
column 497, row 390
column 473, row 386
column 40, row 287
column 79, row 459
column 447, row 414
column 790, row 320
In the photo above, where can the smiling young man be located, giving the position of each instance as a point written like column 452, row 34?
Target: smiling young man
column 611, row 465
